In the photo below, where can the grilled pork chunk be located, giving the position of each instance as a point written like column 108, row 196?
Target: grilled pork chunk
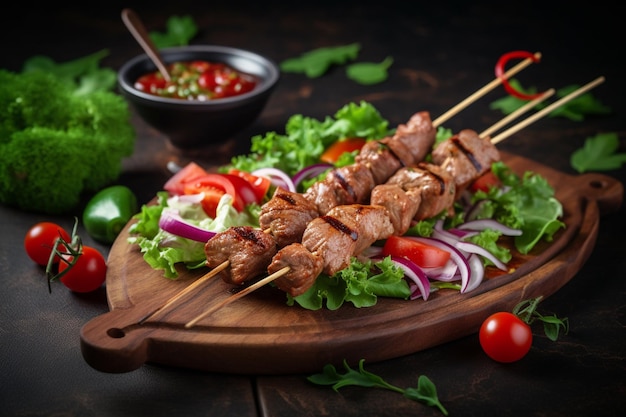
column 247, row 249
column 345, row 232
column 401, row 205
column 304, row 268
column 465, row 157
column 286, row 215
column 414, row 140
column 350, row 184
column 436, row 188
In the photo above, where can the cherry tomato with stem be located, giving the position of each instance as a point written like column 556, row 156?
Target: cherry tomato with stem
column 83, row 272
column 505, row 337
column 40, row 239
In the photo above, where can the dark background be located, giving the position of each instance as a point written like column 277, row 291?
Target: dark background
column 443, row 51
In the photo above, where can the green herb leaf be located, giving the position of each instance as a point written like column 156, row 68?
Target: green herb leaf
column 180, row 30
column 599, row 153
column 369, row 73
column 316, row 62
column 426, row 392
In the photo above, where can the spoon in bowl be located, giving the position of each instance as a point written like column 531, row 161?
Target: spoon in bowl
column 138, row 30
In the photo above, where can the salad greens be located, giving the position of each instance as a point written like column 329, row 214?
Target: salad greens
column 426, row 392
column 305, row 139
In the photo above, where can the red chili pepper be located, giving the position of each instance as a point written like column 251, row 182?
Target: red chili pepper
column 504, row 59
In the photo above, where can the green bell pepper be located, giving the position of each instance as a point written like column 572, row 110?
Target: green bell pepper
column 108, row 211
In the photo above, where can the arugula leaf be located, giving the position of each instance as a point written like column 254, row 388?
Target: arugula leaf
column 426, row 392
column 576, row 109
column 368, row 73
column 599, row 153
column 316, row 62
column 180, row 30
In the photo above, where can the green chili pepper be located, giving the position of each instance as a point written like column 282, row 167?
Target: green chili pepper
column 108, row 211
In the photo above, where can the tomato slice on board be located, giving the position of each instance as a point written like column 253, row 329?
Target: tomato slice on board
column 214, row 186
column 261, row 185
column 423, row 255
column 485, row 182
column 175, row 185
column 334, row 151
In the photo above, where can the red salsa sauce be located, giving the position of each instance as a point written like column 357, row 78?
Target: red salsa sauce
column 197, row 80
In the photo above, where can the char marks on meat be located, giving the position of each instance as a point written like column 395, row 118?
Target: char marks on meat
column 286, row 215
column 465, row 157
column 345, row 232
column 247, row 249
column 304, row 268
column 350, row 184
column 437, row 189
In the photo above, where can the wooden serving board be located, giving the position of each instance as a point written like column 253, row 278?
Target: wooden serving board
column 260, row 334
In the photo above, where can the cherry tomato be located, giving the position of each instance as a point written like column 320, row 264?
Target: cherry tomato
column 485, row 182
column 505, row 337
column 334, row 151
column 260, row 184
column 87, row 274
column 40, row 239
column 175, row 185
column 214, row 186
column 421, row 254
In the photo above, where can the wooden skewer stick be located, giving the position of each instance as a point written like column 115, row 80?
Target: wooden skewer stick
column 546, row 110
column 484, row 90
column 526, row 107
column 237, row 296
column 187, row 290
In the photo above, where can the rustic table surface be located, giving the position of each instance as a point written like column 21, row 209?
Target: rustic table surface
column 441, row 54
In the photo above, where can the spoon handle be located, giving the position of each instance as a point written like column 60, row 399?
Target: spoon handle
column 138, row 30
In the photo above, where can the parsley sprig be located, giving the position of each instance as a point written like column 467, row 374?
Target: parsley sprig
column 425, row 392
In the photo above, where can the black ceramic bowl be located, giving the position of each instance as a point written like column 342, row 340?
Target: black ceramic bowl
column 191, row 124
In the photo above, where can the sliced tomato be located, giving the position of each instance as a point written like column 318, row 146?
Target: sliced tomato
column 214, row 186
column 334, row 151
column 421, row 254
column 261, row 185
column 485, row 182
column 175, row 185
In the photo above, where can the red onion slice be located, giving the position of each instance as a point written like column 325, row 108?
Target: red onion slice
column 278, row 178
column 477, row 249
column 310, row 172
column 173, row 223
column 477, row 273
column 483, row 224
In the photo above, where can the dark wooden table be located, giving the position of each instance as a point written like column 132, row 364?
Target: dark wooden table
column 442, row 53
